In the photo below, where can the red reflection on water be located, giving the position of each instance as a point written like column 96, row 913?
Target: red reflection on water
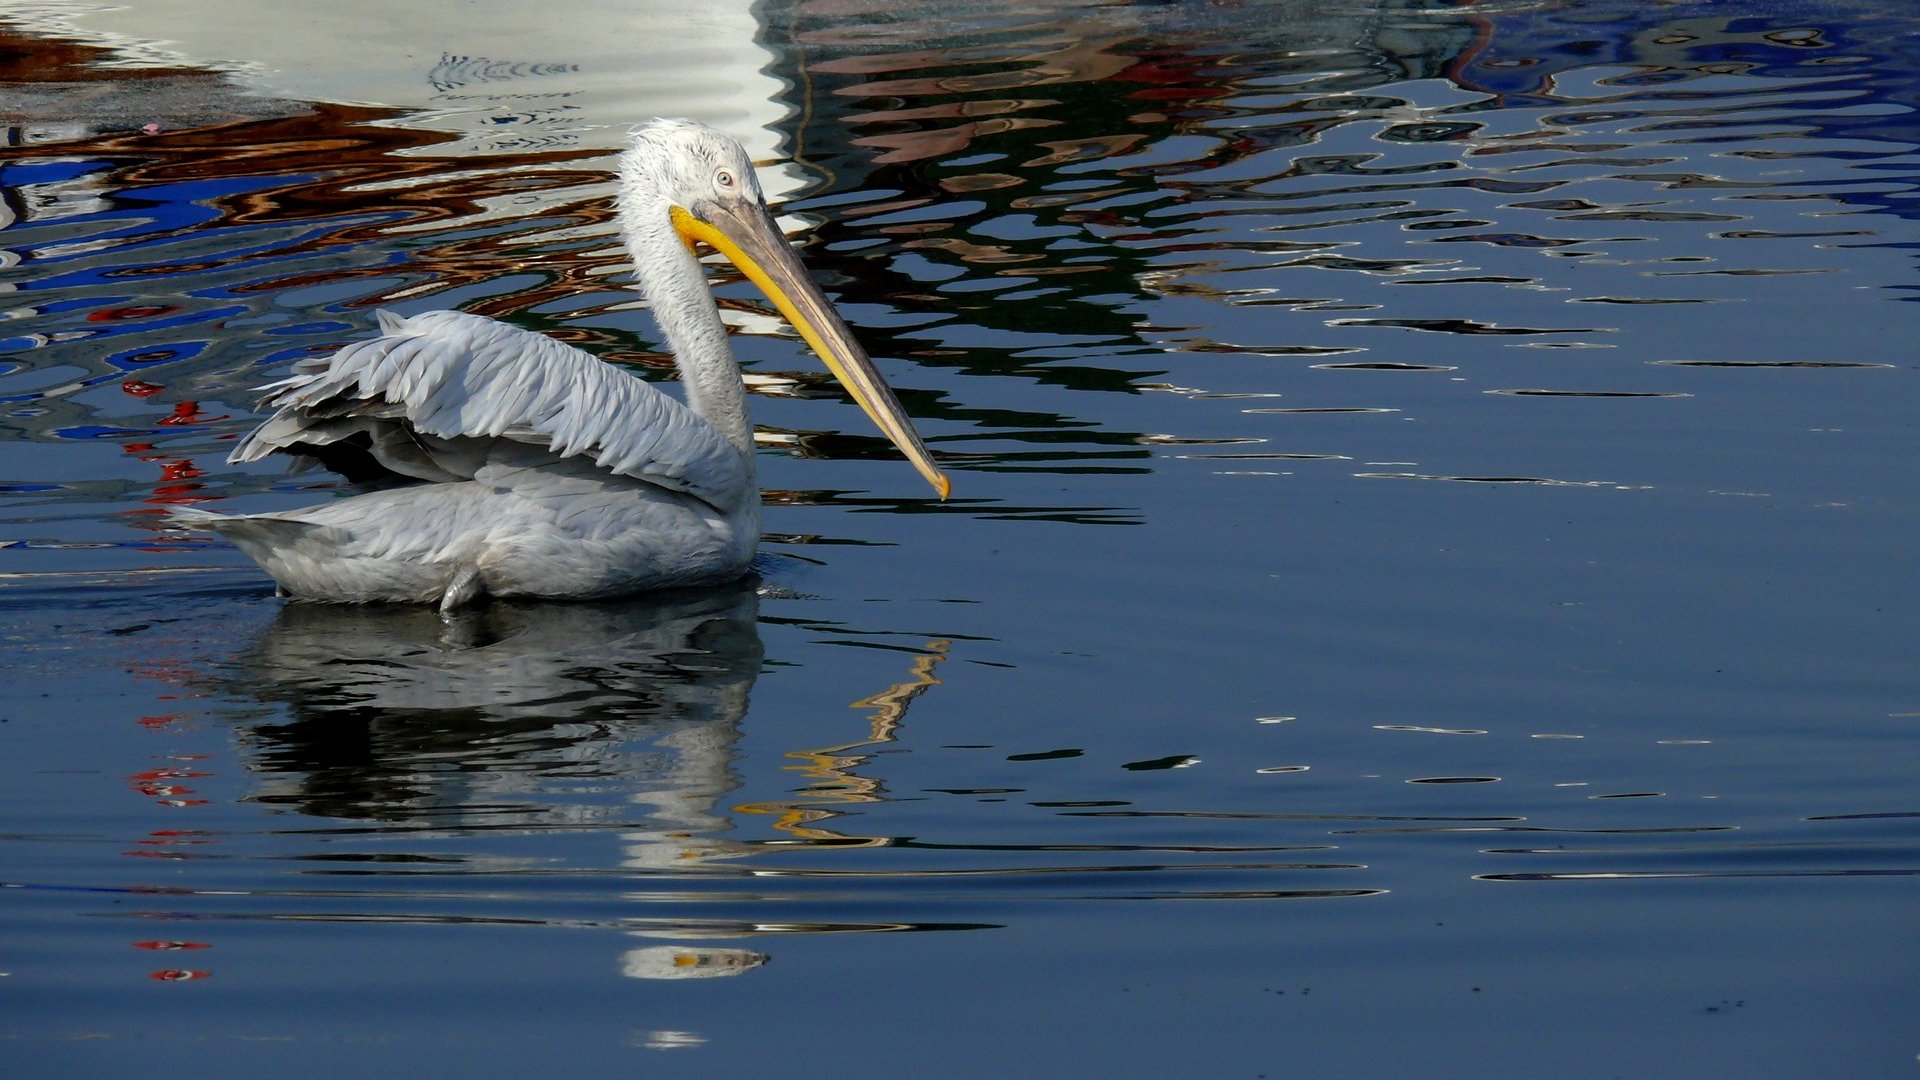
column 178, row 477
column 171, row 946
column 177, row 837
column 188, row 412
column 136, row 311
column 179, row 975
column 162, row 789
column 157, row 784
column 140, row 388
column 169, row 774
column 177, row 485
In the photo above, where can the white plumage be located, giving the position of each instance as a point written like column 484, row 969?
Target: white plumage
column 525, row 467
column 429, row 381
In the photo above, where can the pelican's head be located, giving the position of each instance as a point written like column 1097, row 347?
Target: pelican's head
column 702, row 183
column 685, row 163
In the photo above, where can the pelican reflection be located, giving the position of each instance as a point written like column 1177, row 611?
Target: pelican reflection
column 503, row 713
column 506, row 729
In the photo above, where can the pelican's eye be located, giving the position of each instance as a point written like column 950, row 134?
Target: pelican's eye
column 725, row 180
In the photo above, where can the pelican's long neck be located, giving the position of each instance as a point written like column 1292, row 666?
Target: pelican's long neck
column 676, row 287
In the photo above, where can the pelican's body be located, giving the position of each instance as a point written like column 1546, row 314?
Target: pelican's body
column 538, row 471
column 529, row 468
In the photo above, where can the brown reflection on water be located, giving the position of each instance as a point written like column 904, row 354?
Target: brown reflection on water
column 1068, row 51
column 53, row 82
column 1065, row 168
column 359, row 179
column 830, row 771
column 346, row 175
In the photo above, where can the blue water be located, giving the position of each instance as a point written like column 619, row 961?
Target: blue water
column 1429, row 587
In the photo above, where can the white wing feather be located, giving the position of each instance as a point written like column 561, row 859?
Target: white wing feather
column 453, row 376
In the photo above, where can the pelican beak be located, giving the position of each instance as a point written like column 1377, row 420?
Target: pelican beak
column 746, row 234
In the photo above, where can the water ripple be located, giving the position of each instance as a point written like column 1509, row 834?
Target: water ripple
column 1119, row 260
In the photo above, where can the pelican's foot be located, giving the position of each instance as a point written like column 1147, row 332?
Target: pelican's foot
column 464, row 589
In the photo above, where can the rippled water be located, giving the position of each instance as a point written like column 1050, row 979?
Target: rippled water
column 1429, row 587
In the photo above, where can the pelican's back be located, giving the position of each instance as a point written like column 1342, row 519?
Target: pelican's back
column 424, row 398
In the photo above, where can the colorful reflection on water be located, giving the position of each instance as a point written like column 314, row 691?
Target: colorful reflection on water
column 1591, row 749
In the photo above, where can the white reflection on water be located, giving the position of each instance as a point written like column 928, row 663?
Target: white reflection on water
column 594, row 68
column 682, row 962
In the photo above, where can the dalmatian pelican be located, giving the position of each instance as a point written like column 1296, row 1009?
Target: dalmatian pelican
column 518, row 466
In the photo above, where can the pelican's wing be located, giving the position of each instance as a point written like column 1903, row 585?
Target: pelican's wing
column 433, row 389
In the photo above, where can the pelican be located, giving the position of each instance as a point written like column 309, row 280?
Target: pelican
column 518, row 466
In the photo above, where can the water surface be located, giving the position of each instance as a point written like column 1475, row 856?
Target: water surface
column 1428, row 586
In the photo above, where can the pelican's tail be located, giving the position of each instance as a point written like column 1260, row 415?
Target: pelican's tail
column 306, row 560
column 314, row 561
column 258, row 535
